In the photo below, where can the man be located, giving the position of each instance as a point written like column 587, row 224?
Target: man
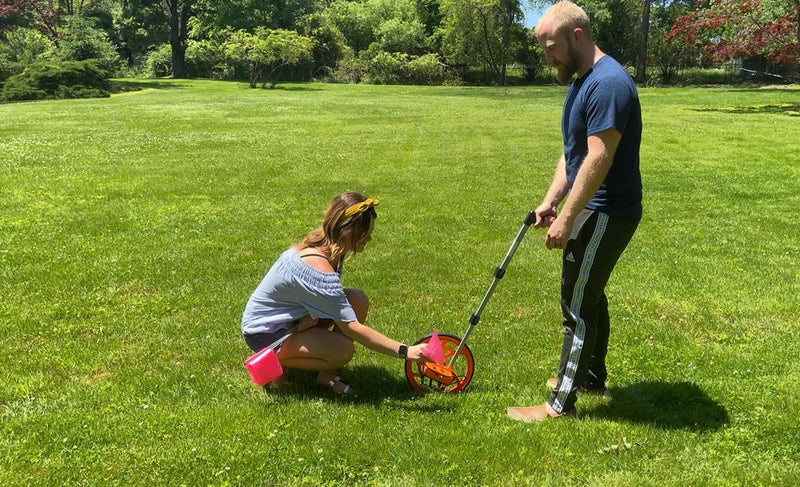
column 598, row 174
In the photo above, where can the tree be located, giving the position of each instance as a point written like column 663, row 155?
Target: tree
column 329, row 43
column 398, row 35
column 214, row 16
column 393, row 24
column 138, row 26
column 617, row 25
column 267, row 51
column 482, row 32
column 429, row 14
column 80, row 40
column 729, row 29
column 668, row 54
column 42, row 15
column 355, row 21
column 178, row 12
column 644, row 31
column 613, row 26
column 8, row 12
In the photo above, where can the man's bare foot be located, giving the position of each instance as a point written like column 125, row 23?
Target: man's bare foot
column 536, row 413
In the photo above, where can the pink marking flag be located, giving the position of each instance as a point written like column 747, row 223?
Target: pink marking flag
column 434, row 349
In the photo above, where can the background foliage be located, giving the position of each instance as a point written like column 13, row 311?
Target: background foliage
column 474, row 41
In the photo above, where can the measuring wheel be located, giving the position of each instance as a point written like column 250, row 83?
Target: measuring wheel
column 454, row 376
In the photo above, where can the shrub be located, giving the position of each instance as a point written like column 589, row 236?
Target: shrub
column 81, row 41
column 17, row 92
column 399, row 68
column 205, row 59
column 704, row 76
column 20, row 48
column 159, row 61
column 398, row 35
column 387, row 69
column 7, row 68
column 329, row 43
column 427, row 70
column 348, row 70
column 68, row 79
column 267, row 52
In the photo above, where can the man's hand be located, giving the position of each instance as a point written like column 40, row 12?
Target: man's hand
column 558, row 233
column 545, row 214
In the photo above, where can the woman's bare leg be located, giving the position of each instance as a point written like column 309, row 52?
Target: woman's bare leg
column 318, row 347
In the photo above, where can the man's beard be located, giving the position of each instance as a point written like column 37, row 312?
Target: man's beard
column 565, row 71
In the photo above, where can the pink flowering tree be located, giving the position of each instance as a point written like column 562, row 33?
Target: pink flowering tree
column 728, row 29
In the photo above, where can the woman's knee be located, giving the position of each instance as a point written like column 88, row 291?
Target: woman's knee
column 359, row 301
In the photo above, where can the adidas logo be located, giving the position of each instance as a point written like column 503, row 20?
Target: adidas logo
column 570, row 257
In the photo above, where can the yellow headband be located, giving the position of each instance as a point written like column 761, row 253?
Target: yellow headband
column 359, row 208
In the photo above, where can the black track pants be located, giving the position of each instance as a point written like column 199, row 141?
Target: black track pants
column 595, row 245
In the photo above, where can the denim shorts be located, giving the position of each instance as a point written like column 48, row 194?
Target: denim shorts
column 260, row 341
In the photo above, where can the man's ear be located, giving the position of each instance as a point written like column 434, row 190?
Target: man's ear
column 577, row 34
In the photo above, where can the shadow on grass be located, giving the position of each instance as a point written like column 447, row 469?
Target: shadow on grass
column 123, row 86
column 371, row 386
column 681, row 405
column 293, row 88
column 790, row 109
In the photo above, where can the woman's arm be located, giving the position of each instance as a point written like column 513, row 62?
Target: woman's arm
column 377, row 341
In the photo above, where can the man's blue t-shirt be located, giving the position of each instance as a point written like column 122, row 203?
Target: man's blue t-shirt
column 603, row 98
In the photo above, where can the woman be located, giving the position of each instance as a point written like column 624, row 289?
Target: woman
column 301, row 309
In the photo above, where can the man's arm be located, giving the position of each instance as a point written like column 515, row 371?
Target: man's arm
column 546, row 211
column 599, row 158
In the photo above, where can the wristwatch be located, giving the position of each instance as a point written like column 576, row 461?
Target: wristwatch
column 403, row 351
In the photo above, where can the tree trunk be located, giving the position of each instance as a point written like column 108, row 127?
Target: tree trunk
column 797, row 17
column 178, row 60
column 490, row 58
column 797, row 23
column 178, row 12
column 641, row 58
column 508, row 21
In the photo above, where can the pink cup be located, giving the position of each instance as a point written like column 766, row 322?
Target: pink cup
column 264, row 366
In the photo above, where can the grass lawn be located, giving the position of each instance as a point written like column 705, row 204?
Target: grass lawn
column 133, row 229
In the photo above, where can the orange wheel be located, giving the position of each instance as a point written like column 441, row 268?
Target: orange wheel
column 452, row 379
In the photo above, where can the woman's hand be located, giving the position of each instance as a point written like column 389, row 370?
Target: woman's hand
column 415, row 353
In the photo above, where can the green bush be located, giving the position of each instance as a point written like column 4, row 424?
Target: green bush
column 205, row 59
column 383, row 68
column 348, row 70
column 428, row 70
column 705, row 76
column 20, row 48
column 81, row 40
column 159, row 61
column 67, row 79
column 7, row 68
column 17, row 92
column 387, row 69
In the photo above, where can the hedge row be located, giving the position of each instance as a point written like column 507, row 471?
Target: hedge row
column 66, row 79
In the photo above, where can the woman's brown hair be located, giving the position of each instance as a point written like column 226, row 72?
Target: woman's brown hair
column 341, row 230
